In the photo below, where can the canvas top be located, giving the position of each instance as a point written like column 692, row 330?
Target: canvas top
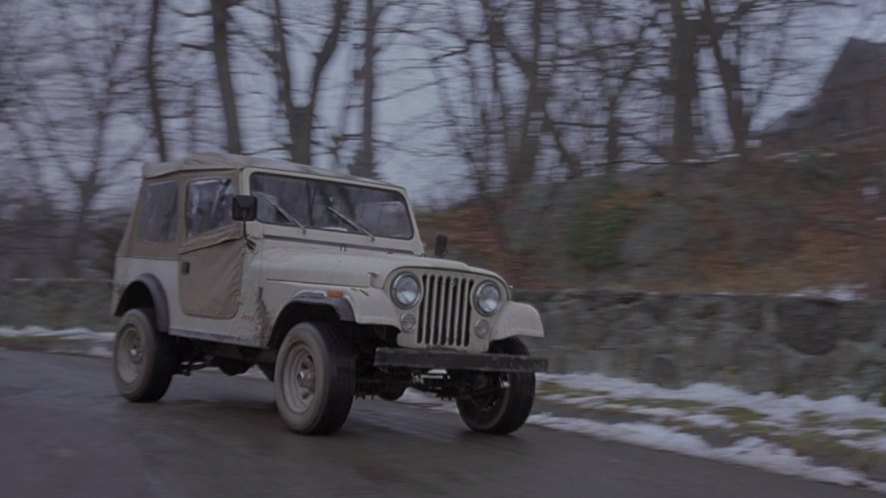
column 233, row 162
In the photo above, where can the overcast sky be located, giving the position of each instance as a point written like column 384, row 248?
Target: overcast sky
column 421, row 157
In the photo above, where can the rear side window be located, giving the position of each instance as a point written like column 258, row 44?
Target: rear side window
column 158, row 221
column 208, row 205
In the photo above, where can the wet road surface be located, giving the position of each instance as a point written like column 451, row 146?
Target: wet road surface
column 65, row 432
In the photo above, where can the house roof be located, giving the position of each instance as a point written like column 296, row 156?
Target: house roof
column 232, row 162
column 860, row 61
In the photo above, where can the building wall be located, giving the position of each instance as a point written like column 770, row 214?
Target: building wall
column 848, row 111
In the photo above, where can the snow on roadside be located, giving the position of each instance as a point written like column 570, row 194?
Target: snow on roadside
column 76, row 333
column 877, row 444
column 77, row 340
column 750, row 451
column 704, row 405
column 602, row 389
column 839, row 292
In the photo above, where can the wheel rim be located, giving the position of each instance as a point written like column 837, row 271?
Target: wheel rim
column 300, row 384
column 130, row 355
column 490, row 400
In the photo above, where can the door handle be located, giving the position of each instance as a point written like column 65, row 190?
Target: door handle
column 186, row 268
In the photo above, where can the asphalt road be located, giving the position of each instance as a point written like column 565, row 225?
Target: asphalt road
column 65, row 432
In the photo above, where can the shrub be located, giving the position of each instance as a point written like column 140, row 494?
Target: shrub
column 597, row 233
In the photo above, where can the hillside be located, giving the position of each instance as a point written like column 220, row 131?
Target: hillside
column 806, row 220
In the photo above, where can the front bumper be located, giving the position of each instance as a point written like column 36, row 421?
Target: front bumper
column 455, row 360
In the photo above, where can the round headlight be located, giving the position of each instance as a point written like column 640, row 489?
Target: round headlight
column 487, row 298
column 406, row 290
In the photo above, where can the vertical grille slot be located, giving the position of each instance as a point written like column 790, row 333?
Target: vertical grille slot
column 438, row 312
column 449, row 328
column 464, row 317
column 423, row 310
column 445, row 310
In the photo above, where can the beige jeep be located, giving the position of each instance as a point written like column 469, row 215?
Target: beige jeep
column 321, row 281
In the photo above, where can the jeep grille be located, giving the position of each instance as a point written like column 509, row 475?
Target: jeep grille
column 445, row 312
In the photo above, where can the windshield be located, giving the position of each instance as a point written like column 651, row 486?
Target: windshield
column 328, row 205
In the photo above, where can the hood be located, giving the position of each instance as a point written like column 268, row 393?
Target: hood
column 351, row 268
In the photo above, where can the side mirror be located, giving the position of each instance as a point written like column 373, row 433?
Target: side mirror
column 244, row 208
column 440, row 246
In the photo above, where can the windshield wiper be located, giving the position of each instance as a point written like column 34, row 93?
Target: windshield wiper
column 285, row 213
column 353, row 224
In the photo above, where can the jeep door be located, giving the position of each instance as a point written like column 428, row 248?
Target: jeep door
column 211, row 258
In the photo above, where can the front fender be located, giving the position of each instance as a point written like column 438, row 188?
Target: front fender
column 363, row 305
column 518, row 319
column 342, row 306
column 373, row 306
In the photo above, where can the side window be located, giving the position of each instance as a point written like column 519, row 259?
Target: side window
column 208, row 205
column 158, row 222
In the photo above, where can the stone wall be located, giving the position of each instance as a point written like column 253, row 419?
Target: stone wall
column 818, row 347
column 787, row 345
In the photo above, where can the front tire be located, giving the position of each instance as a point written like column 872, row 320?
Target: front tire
column 505, row 404
column 314, row 378
column 144, row 358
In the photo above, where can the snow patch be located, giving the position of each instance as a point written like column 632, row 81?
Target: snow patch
column 76, row 333
column 877, row 444
column 770, row 405
column 752, row 451
column 709, row 420
column 839, row 292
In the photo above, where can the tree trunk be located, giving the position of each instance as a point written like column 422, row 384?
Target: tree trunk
column 365, row 162
column 300, row 119
column 730, row 76
column 284, row 81
column 522, row 161
column 683, row 82
column 70, row 260
column 613, row 129
column 154, row 95
column 223, row 73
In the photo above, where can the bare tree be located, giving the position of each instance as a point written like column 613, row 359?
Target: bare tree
column 218, row 71
column 495, row 80
column 364, row 163
column 9, row 52
column 219, row 12
column 536, row 63
column 544, row 83
column 154, row 102
column 753, row 46
column 734, row 23
column 76, row 122
column 300, row 119
column 683, row 82
column 385, row 24
column 607, row 55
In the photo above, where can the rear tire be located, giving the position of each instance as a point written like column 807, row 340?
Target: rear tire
column 499, row 409
column 144, row 358
column 315, row 378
